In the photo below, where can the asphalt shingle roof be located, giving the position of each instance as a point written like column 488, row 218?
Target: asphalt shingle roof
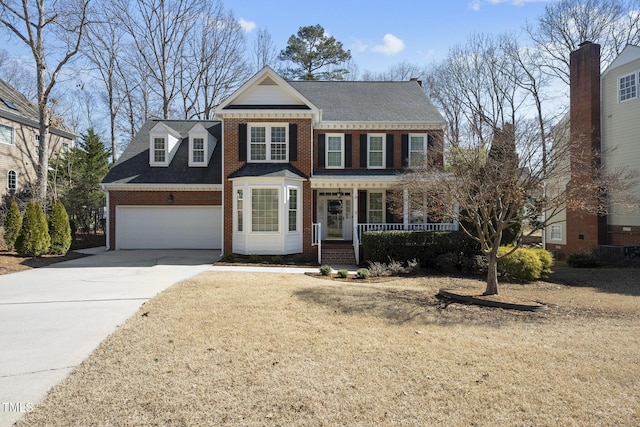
column 279, row 170
column 365, row 101
column 133, row 165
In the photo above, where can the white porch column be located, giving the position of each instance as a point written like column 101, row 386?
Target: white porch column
column 354, row 221
column 405, row 209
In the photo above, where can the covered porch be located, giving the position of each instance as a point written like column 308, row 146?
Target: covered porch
column 344, row 208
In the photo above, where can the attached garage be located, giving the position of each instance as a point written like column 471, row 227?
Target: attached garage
column 168, row 227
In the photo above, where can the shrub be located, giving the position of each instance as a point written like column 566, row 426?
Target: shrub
column 523, row 264
column 277, row 259
column 546, row 259
column 34, row 237
column 255, row 259
column 583, row 260
column 378, row 269
column 362, row 273
column 12, row 225
column 59, row 229
column 395, row 267
column 325, row 270
column 343, row 273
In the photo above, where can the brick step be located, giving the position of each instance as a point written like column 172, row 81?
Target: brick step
column 338, row 256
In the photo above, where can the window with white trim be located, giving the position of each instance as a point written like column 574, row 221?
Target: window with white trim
column 6, row 135
column 159, row 150
column 375, row 212
column 268, row 142
column 239, row 210
column 36, row 144
column 197, row 150
column 293, row 209
column 376, row 150
column 627, row 87
column 335, row 151
column 555, row 232
column 417, row 149
column 264, row 209
column 12, row 180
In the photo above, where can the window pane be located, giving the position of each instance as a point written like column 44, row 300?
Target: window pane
column 6, row 134
column 158, row 150
column 417, row 143
column 293, row 209
column 375, row 151
column 375, row 159
column 278, row 151
column 198, row 150
column 375, row 207
column 335, row 143
column 264, row 209
column 12, row 180
column 375, row 143
column 334, row 151
column 628, row 87
column 258, row 143
column 279, row 134
column 240, row 207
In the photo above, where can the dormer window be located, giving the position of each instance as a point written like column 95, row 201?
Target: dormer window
column 159, row 150
column 201, row 146
column 163, row 144
column 268, row 142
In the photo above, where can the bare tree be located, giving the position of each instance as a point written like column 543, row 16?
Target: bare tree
column 565, row 24
column 51, row 31
column 264, row 51
column 105, row 40
column 214, row 64
column 400, row 72
column 17, row 75
column 159, row 31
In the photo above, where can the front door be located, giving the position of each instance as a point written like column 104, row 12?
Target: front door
column 334, row 219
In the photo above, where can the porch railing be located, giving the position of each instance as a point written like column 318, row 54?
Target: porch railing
column 316, row 239
column 433, row 226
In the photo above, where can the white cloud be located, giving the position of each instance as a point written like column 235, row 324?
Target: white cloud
column 359, row 46
column 476, row 4
column 247, row 26
column 391, row 46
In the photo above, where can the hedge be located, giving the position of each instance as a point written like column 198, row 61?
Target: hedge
column 424, row 246
column 525, row 263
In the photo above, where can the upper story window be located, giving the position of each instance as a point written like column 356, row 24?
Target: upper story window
column 417, row 149
column 335, row 151
column 197, row 150
column 628, row 87
column 12, row 180
column 376, row 151
column 159, row 150
column 6, row 135
column 268, row 142
column 555, row 232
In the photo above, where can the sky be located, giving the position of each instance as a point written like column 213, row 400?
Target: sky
column 383, row 33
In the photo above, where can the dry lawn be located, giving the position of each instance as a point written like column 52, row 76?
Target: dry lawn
column 269, row 349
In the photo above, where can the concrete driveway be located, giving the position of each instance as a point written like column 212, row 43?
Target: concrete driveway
column 52, row 318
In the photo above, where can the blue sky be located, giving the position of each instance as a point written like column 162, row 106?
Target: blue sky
column 382, row 33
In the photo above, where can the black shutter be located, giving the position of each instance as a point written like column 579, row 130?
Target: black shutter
column 389, row 209
column 363, row 150
column 389, row 151
column 362, row 206
column 293, row 142
column 348, row 155
column 321, row 150
column 242, row 142
column 405, row 150
column 430, row 141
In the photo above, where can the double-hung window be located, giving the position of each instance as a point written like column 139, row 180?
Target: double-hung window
column 628, row 87
column 268, row 142
column 293, row 209
column 555, row 232
column 159, row 150
column 6, row 134
column 417, row 149
column 240, row 210
column 197, row 151
column 376, row 207
column 335, row 151
column 376, row 154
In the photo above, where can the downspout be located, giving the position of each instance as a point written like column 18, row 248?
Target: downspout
column 108, row 223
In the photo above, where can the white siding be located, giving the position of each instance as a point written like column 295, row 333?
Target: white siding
column 267, row 95
column 621, row 135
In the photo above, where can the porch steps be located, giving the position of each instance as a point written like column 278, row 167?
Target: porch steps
column 338, row 255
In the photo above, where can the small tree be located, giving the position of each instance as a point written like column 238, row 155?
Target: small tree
column 34, row 237
column 12, row 224
column 59, row 229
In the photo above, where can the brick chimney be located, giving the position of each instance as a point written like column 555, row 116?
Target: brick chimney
column 584, row 230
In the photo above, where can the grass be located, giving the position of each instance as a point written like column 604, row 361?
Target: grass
column 268, row 349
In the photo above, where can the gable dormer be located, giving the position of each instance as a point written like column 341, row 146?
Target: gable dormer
column 201, row 146
column 163, row 145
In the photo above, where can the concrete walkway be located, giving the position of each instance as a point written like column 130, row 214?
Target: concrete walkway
column 52, row 318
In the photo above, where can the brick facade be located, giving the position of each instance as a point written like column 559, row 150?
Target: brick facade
column 157, row 198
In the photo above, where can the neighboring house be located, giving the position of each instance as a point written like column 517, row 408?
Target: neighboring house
column 605, row 117
column 289, row 164
column 20, row 140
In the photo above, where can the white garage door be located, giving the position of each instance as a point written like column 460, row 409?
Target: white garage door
column 168, row 227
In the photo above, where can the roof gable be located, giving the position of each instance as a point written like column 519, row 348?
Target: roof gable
column 629, row 54
column 266, row 90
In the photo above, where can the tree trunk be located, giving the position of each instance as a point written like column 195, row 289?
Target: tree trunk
column 492, row 274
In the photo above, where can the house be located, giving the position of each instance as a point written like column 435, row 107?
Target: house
column 287, row 165
column 604, row 117
column 20, row 140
